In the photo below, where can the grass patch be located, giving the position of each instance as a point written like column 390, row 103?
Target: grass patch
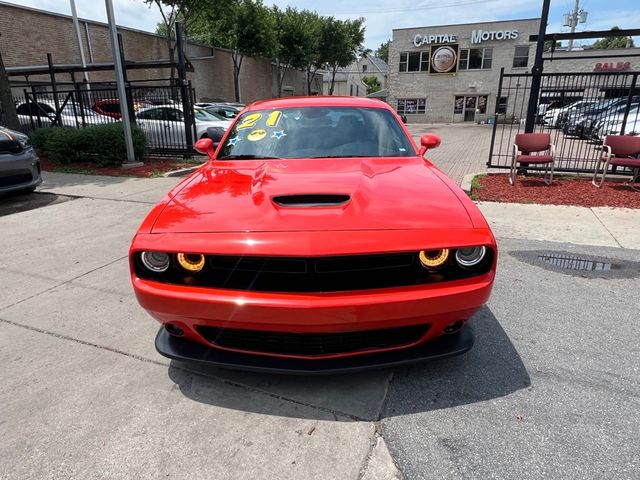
column 476, row 185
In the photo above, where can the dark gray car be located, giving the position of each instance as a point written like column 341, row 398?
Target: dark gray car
column 19, row 164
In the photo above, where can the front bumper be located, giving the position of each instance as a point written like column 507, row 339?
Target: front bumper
column 182, row 349
column 19, row 171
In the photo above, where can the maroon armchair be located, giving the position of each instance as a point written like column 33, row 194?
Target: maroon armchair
column 619, row 150
column 527, row 143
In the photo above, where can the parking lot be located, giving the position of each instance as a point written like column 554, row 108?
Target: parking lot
column 551, row 387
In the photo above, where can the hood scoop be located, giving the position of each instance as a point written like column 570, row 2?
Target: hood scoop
column 311, row 200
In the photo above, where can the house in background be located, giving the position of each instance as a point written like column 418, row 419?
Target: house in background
column 349, row 80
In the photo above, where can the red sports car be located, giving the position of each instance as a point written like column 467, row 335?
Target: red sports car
column 316, row 239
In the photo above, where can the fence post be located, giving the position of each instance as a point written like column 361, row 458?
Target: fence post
column 187, row 108
column 54, row 88
column 536, row 70
column 495, row 117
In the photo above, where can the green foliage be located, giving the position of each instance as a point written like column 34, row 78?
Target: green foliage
column 382, row 51
column 101, row 144
column 372, row 83
column 549, row 43
column 614, row 42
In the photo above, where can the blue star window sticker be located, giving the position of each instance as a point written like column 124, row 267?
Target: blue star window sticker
column 278, row 134
column 234, row 140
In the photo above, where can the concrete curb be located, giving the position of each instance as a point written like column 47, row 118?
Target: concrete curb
column 183, row 171
column 465, row 185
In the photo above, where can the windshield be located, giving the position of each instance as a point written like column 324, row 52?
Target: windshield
column 316, row 132
column 205, row 116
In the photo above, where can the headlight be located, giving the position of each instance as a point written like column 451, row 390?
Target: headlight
column 155, row 261
column 433, row 258
column 192, row 262
column 471, row 256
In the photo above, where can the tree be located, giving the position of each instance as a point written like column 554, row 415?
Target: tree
column 382, row 51
column 246, row 27
column 549, row 43
column 296, row 41
column 186, row 11
column 340, row 41
column 614, row 42
column 372, row 83
column 7, row 106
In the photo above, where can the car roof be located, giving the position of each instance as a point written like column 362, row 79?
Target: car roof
column 318, row 101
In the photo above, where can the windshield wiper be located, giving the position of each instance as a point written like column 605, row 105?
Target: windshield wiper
column 246, row 157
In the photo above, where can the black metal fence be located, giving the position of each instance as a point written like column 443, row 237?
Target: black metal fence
column 578, row 109
column 158, row 110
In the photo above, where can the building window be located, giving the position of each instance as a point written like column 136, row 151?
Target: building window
column 502, row 105
column 521, row 56
column 414, row 61
column 411, row 106
column 364, row 68
column 476, row 58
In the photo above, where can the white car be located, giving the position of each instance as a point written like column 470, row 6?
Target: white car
column 43, row 112
column 164, row 125
column 613, row 125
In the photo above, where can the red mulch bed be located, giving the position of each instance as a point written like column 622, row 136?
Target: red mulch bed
column 563, row 191
column 153, row 167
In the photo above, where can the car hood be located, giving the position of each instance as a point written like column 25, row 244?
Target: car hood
column 372, row 194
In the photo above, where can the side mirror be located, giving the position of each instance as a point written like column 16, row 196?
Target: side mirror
column 427, row 142
column 205, row 146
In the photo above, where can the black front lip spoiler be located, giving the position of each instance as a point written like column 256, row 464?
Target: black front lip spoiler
column 184, row 350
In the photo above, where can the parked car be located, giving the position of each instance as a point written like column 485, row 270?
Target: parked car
column 316, row 239
column 557, row 116
column 164, row 125
column 111, row 107
column 581, row 124
column 614, row 123
column 223, row 110
column 19, row 164
column 43, row 112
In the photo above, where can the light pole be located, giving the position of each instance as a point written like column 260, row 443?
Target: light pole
column 572, row 19
column 122, row 93
column 76, row 25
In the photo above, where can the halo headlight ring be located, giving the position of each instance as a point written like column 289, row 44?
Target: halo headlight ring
column 470, row 257
column 433, row 258
column 191, row 262
column 156, row 262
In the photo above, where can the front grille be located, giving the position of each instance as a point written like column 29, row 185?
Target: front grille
column 15, row 177
column 312, row 344
column 314, row 274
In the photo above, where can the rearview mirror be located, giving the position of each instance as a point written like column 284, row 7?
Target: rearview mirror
column 205, row 146
column 427, row 142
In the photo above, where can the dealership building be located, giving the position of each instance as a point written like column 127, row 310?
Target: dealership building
column 450, row 73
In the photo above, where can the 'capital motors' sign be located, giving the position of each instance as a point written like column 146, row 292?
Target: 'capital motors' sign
column 479, row 36
column 419, row 40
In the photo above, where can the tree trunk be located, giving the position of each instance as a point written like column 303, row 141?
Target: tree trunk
column 237, row 65
column 7, row 105
column 333, row 79
column 282, row 72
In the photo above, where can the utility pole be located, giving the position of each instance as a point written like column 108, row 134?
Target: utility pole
column 572, row 19
column 122, row 92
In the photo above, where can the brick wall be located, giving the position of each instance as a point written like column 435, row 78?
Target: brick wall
column 29, row 34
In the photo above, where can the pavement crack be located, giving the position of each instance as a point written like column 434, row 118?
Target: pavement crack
column 335, row 413
column 605, row 227
column 63, row 283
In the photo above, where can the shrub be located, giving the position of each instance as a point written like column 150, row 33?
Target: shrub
column 100, row 144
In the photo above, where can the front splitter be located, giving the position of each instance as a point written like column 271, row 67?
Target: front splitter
column 181, row 349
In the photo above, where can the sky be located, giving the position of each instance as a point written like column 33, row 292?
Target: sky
column 381, row 16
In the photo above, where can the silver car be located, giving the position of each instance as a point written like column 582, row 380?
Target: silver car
column 19, row 164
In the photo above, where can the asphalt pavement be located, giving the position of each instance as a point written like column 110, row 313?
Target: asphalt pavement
column 551, row 388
